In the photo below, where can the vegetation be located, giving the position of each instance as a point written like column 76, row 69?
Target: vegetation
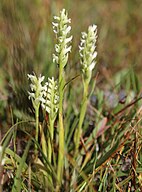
column 67, row 123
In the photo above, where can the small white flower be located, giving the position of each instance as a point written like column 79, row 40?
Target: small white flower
column 67, row 30
column 68, row 49
column 55, row 58
column 92, row 65
column 57, row 48
column 55, row 24
column 67, row 40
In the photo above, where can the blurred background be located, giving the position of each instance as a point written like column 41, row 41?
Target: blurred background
column 27, row 42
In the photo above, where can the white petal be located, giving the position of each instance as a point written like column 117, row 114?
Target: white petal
column 57, row 48
column 67, row 50
column 91, row 67
column 33, row 87
column 41, row 79
column 55, row 31
column 33, row 78
column 56, row 17
column 81, row 48
column 55, row 24
column 67, row 30
column 55, row 58
column 94, row 55
column 47, row 109
column 31, row 95
column 67, row 40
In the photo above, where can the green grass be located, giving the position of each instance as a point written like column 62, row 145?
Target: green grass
column 107, row 156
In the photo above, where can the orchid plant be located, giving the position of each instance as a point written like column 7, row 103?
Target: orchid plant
column 36, row 96
column 88, row 53
column 50, row 95
column 51, row 105
column 61, row 29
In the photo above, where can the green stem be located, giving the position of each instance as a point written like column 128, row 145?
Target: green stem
column 43, row 141
column 50, row 138
column 50, row 142
column 37, row 125
column 61, row 128
column 81, row 118
column 18, row 178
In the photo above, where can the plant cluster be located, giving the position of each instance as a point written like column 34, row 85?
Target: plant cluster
column 68, row 149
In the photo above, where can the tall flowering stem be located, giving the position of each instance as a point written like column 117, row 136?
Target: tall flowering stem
column 87, row 50
column 62, row 49
column 36, row 95
column 50, row 104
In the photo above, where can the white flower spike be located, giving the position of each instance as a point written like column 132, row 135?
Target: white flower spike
column 62, row 30
column 51, row 99
column 88, row 53
column 37, row 89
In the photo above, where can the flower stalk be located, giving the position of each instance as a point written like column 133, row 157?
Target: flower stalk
column 50, row 104
column 36, row 95
column 62, row 49
column 87, row 50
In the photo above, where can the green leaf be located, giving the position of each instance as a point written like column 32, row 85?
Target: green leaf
column 17, row 181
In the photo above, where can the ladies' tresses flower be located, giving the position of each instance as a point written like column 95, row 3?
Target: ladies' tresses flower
column 87, row 52
column 37, row 90
column 87, row 58
column 51, row 100
column 36, row 95
column 61, row 29
column 62, row 49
